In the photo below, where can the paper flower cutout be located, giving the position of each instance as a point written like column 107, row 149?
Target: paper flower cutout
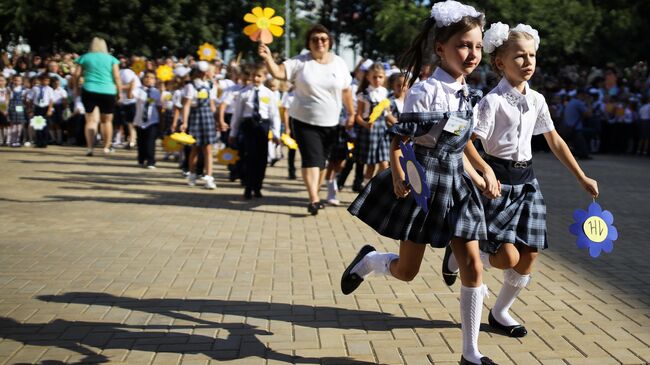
column 38, row 123
column 183, row 138
column 138, row 66
column 288, row 141
column 594, row 229
column 227, row 156
column 264, row 25
column 378, row 110
column 170, row 145
column 164, row 73
column 207, row 52
column 415, row 176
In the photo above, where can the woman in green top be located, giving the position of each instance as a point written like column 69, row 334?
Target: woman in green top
column 97, row 81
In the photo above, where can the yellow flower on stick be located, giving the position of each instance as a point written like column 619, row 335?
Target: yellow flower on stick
column 170, row 145
column 378, row 110
column 207, row 52
column 138, row 66
column 164, row 73
column 264, row 25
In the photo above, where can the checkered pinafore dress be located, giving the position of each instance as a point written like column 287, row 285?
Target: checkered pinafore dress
column 455, row 208
column 201, row 123
column 374, row 143
column 16, row 117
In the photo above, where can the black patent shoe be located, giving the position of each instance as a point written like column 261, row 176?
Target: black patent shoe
column 351, row 281
column 448, row 275
column 312, row 208
column 484, row 361
column 512, row 331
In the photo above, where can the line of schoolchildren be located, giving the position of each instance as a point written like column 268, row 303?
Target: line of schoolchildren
column 23, row 98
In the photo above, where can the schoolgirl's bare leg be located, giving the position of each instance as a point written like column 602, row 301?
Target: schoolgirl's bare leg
column 506, row 258
column 407, row 265
column 207, row 155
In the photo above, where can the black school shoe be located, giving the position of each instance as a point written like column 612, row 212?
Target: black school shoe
column 312, row 208
column 351, row 281
column 448, row 275
column 484, row 361
column 512, row 331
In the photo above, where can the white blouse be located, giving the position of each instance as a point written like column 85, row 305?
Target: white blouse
column 508, row 119
column 376, row 95
column 438, row 93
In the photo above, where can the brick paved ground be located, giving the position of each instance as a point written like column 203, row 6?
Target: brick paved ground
column 103, row 261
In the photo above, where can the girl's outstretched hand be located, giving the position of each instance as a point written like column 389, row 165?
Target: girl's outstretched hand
column 590, row 185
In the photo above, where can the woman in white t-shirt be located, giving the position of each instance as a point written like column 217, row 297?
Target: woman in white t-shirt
column 322, row 84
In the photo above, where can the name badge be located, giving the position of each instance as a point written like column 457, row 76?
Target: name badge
column 19, row 109
column 455, row 125
column 202, row 94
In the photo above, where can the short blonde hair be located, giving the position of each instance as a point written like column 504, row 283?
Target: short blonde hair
column 98, row 45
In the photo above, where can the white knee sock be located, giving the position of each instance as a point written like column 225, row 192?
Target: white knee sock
column 374, row 262
column 513, row 282
column 471, row 306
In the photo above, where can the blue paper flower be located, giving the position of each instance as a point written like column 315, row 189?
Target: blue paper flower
column 415, row 176
column 594, row 229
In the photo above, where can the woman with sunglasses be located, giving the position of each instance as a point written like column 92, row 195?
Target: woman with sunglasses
column 322, row 84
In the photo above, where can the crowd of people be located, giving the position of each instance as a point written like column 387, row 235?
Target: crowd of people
column 485, row 209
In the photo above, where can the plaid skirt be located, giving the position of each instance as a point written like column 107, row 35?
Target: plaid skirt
column 202, row 125
column 374, row 144
column 455, row 208
column 340, row 151
column 14, row 116
column 517, row 216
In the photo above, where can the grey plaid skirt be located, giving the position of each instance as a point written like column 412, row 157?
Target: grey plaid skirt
column 14, row 116
column 455, row 208
column 202, row 125
column 518, row 216
column 374, row 143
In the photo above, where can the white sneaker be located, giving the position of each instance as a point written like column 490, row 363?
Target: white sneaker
column 209, row 182
column 27, row 144
column 191, row 179
column 331, row 193
column 151, row 167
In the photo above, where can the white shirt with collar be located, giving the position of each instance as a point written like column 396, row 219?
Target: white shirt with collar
column 153, row 116
column 508, row 119
column 228, row 96
column 45, row 99
column 59, row 95
column 438, row 93
column 190, row 91
column 127, row 76
column 243, row 108
column 375, row 94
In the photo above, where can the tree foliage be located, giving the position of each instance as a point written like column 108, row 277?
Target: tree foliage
column 574, row 31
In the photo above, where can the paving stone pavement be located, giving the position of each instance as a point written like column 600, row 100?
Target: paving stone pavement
column 101, row 261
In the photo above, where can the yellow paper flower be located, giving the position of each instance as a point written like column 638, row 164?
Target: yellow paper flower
column 138, row 66
column 169, row 145
column 264, row 25
column 377, row 110
column 227, row 156
column 288, row 141
column 207, row 52
column 183, row 138
column 202, row 94
column 164, row 73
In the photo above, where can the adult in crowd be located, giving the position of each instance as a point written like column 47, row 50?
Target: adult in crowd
column 322, row 83
column 576, row 112
column 101, row 81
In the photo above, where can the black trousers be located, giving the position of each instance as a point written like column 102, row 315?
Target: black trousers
column 255, row 136
column 147, row 144
column 291, row 158
column 42, row 136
